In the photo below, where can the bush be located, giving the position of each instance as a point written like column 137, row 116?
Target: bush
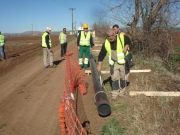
column 177, row 48
column 175, row 57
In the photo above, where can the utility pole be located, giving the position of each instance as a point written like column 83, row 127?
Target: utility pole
column 75, row 28
column 72, row 19
column 81, row 24
column 75, row 25
column 32, row 29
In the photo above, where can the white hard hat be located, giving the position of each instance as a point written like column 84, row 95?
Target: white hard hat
column 80, row 28
column 48, row 28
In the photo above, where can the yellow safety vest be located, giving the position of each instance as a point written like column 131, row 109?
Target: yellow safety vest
column 1, row 40
column 119, row 48
column 85, row 41
column 44, row 40
column 62, row 38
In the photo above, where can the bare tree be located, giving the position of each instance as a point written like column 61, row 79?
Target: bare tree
column 147, row 22
column 101, row 27
column 144, row 13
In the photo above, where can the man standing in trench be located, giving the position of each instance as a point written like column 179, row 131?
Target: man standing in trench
column 63, row 43
column 116, row 46
column 47, row 51
column 117, row 30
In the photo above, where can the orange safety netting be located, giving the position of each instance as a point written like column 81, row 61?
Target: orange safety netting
column 75, row 79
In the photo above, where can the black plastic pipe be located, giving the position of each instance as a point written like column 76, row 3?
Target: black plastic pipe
column 100, row 97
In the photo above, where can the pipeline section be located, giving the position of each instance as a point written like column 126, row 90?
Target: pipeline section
column 100, row 97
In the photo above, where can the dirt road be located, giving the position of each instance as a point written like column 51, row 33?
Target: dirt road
column 29, row 98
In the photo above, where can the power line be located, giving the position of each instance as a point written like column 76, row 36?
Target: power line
column 60, row 3
column 63, row 2
column 69, row 4
column 72, row 19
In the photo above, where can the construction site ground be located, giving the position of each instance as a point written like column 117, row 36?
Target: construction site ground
column 30, row 94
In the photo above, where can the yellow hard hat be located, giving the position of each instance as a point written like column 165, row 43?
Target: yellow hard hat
column 85, row 25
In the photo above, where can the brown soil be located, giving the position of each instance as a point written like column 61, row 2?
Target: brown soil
column 30, row 94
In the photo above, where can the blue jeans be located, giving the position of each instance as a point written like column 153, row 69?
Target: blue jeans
column 2, row 52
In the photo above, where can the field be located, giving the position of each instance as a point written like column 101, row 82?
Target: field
column 30, row 95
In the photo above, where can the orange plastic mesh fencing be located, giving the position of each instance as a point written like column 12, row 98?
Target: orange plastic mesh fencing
column 74, row 79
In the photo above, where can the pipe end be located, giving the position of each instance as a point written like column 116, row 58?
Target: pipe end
column 104, row 110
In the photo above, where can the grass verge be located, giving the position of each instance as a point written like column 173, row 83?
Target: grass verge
column 141, row 115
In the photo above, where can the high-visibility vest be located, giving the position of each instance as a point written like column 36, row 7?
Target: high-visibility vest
column 44, row 40
column 119, row 48
column 85, row 41
column 2, row 40
column 62, row 38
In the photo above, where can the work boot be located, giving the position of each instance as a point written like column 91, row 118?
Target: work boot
column 3, row 59
column 64, row 57
column 81, row 66
column 122, row 92
column 53, row 66
column 115, row 94
column 121, row 95
column 47, row 66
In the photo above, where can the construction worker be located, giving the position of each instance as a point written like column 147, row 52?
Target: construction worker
column 47, row 51
column 84, row 43
column 115, row 46
column 117, row 29
column 2, row 43
column 63, row 43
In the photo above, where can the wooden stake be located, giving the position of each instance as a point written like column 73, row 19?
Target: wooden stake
column 131, row 71
column 98, row 45
column 96, row 50
column 142, row 70
column 154, row 93
column 96, row 41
